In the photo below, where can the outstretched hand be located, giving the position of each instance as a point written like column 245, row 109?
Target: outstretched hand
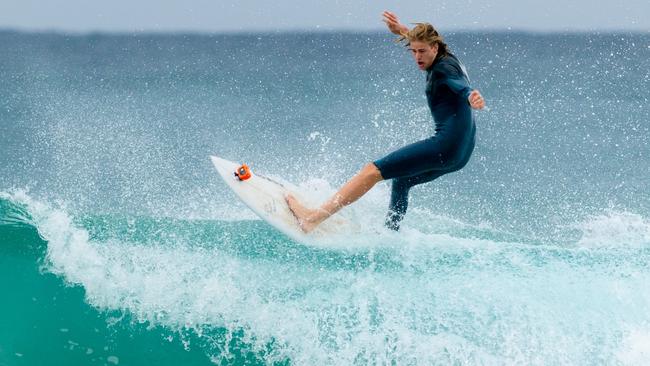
column 393, row 24
column 476, row 100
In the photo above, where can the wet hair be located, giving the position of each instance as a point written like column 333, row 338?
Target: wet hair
column 425, row 32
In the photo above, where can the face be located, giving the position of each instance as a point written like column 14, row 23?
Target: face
column 423, row 53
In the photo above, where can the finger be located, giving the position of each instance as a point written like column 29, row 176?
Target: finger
column 390, row 16
column 389, row 23
column 386, row 16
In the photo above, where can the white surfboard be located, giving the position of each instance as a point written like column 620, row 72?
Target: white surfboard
column 265, row 196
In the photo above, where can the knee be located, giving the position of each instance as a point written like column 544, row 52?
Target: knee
column 401, row 184
column 371, row 172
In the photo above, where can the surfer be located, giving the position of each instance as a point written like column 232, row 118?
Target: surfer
column 450, row 99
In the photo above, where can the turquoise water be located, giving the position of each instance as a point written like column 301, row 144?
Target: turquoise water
column 120, row 245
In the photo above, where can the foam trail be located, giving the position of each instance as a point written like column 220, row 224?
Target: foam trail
column 433, row 298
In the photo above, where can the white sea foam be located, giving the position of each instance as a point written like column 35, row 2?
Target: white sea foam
column 615, row 229
column 424, row 298
column 635, row 348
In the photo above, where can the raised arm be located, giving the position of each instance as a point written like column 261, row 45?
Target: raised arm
column 393, row 24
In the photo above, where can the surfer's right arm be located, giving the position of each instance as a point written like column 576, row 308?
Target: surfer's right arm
column 393, row 24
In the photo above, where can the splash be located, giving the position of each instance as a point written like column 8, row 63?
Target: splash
column 414, row 298
column 615, row 229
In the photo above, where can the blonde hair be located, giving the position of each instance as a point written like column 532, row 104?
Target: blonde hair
column 425, row 32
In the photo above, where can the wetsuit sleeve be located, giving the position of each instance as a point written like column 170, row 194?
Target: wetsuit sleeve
column 452, row 77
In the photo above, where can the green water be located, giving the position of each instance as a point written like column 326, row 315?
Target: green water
column 46, row 321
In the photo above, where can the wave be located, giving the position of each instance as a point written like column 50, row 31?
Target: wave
column 462, row 296
column 614, row 229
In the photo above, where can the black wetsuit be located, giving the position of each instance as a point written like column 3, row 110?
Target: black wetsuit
column 447, row 151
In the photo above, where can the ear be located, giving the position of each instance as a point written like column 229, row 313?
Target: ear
column 435, row 47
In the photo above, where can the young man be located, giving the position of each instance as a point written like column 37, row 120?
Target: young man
column 450, row 99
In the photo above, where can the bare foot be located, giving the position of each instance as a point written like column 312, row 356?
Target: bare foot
column 305, row 216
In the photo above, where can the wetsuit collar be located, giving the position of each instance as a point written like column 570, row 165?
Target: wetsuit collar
column 433, row 64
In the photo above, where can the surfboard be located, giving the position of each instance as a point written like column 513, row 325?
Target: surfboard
column 266, row 197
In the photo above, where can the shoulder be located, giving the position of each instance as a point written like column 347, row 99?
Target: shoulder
column 447, row 65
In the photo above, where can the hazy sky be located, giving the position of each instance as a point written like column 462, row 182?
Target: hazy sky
column 282, row 15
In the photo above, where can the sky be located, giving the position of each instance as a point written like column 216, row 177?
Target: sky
column 217, row 16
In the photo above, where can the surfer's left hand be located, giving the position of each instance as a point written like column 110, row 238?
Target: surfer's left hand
column 476, row 100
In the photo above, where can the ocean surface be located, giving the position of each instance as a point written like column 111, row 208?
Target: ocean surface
column 119, row 244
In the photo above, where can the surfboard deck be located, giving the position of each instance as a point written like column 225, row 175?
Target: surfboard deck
column 266, row 197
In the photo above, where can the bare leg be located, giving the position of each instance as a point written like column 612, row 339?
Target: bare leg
column 350, row 192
